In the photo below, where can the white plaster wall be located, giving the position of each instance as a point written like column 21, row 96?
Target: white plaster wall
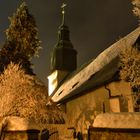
column 123, row 90
column 82, row 111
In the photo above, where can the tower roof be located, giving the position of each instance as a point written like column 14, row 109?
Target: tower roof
column 64, row 56
column 63, row 31
column 63, row 13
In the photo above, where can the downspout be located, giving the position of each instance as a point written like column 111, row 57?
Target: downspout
column 109, row 91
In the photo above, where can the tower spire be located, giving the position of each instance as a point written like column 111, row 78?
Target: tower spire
column 64, row 56
column 63, row 13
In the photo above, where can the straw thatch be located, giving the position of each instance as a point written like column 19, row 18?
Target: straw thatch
column 25, row 96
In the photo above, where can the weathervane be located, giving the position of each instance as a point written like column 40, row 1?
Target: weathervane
column 63, row 12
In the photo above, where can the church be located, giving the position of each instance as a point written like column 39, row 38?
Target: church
column 93, row 89
column 91, row 102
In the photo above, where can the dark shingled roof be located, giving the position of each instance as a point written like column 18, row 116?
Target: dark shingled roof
column 96, row 72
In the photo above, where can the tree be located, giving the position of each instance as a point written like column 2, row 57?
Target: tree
column 8, row 54
column 136, row 8
column 130, row 65
column 130, row 71
column 22, row 41
column 26, row 96
column 23, row 32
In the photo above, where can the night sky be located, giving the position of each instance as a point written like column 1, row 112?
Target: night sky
column 94, row 25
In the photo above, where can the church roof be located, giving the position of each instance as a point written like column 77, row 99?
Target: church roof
column 96, row 72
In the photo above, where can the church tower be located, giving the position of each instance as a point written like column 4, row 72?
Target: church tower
column 64, row 56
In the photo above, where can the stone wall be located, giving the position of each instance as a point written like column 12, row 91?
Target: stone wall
column 113, row 134
column 82, row 111
column 55, row 132
column 16, row 128
column 20, row 135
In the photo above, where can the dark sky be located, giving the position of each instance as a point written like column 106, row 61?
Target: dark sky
column 93, row 24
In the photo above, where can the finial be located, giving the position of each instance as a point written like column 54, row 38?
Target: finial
column 63, row 13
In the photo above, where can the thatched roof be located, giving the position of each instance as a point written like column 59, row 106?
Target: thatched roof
column 25, row 96
column 97, row 72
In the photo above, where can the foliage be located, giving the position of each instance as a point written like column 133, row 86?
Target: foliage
column 130, row 66
column 25, row 96
column 9, row 54
column 136, row 9
column 23, row 32
column 22, row 41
